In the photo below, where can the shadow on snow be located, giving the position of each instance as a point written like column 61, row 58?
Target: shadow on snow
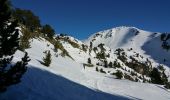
column 38, row 84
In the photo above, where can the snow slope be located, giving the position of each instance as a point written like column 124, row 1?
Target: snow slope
column 66, row 79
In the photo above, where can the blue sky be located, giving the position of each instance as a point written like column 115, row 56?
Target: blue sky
column 81, row 18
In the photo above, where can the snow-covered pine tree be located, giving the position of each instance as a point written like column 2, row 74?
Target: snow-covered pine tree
column 9, row 43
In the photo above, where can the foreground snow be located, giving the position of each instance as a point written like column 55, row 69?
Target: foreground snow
column 67, row 80
column 42, row 85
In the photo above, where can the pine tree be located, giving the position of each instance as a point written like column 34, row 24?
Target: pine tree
column 9, row 43
column 84, row 48
column 90, row 49
column 156, row 76
column 8, row 33
column 110, row 65
column 105, row 64
column 89, row 61
column 91, row 45
column 97, row 69
column 164, row 78
column 119, row 74
column 15, row 73
column 47, row 59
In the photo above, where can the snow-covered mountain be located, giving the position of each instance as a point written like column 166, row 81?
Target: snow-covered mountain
column 89, row 70
column 149, row 44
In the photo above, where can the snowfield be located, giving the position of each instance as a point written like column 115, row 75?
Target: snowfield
column 67, row 79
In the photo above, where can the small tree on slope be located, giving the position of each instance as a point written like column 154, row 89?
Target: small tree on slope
column 47, row 59
column 119, row 74
column 89, row 61
column 9, row 43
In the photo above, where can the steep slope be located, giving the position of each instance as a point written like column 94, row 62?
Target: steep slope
column 70, row 76
column 154, row 49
